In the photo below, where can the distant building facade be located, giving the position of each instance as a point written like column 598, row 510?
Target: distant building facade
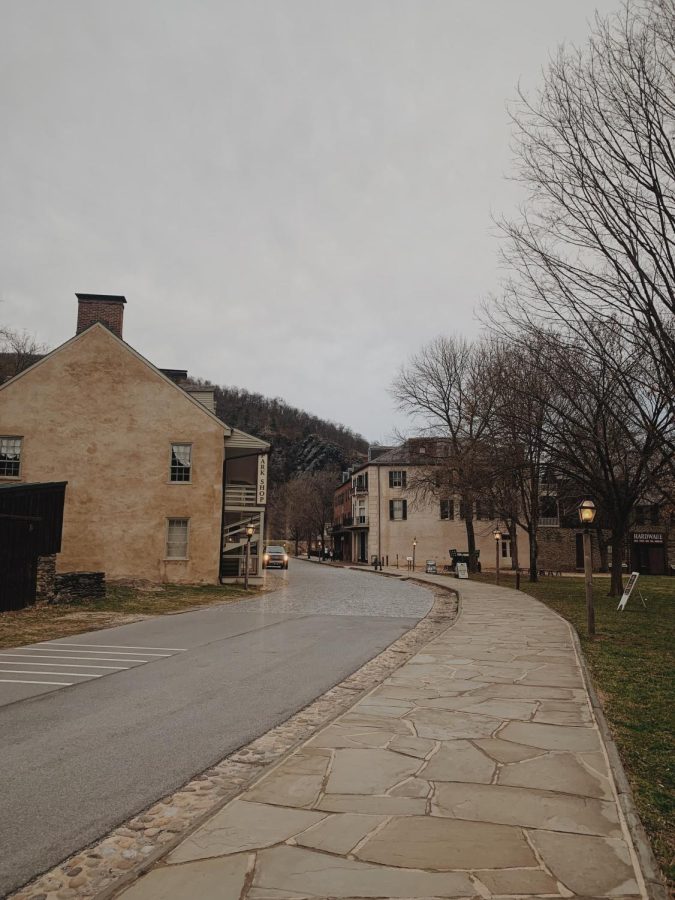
column 378, row 513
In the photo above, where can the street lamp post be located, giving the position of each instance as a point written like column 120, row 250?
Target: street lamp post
column 587, row 513
column 249, row 534
column 414, row 548
column 497, row 536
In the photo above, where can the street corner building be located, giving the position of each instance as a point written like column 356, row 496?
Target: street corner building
column 380, row 512
column 158, row 487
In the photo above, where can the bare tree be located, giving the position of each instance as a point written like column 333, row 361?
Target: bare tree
column 596, row 240
column 18, row 350
column 305, row 505
column 443, row 388
column 517, row 436
column 607, row 428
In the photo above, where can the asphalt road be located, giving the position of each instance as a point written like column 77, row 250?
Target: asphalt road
column 77, row 760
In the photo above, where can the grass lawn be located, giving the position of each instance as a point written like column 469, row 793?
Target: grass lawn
column 632, row 660
column 122, row 604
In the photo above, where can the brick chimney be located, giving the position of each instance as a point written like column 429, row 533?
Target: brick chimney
column 104, row 308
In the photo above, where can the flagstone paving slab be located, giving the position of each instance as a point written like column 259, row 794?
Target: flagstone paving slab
column 508, row 751
column 517, row 881
column 551, row 737
column 340, row 833
column 459, row 761
column 287, row 789
column 368, row 771
column 446, row 725
column 303, row 870
column 557, row 772
column 444, row 845
column 412, row 746
column 527, row 807
column 476, row 771
column 206, row 878
column 243, row 826
column 594, row 867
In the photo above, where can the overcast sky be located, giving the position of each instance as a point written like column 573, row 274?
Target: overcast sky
column 293, row 195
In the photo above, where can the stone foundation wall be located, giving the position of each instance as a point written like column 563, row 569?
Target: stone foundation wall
column 46, row 578
column 74, row 586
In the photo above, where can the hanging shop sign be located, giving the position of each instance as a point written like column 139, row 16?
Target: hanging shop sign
column 261, row 488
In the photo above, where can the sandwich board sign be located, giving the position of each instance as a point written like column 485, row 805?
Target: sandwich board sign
column 632, row 581
column 462, row 570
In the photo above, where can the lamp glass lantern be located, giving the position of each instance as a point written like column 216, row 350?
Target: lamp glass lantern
column 250, row 530
column 587, row 511
column 497, row 534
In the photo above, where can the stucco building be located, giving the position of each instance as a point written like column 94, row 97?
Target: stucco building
column 159, row 488
column 386, row 515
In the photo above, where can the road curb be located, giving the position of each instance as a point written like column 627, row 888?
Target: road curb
column 111, row 864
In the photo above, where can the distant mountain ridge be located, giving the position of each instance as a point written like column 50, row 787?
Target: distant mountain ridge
column 301, row 442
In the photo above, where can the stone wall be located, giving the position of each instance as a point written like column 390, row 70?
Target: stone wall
column 74, row 586
column 557, row 549
column 46, row 576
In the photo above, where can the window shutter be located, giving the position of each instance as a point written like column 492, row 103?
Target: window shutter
column 404, row 476
column 391, row 479
column 405, row 509
column 391, row 509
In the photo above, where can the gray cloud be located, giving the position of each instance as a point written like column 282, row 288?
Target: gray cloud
column 293, row 195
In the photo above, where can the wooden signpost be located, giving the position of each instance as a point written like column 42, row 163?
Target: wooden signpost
column 632, row 581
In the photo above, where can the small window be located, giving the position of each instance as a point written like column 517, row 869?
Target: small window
column 10, row 456
column 447, row 509
column 506, row 549
column 177, row 539
column 655, row 514
column 397, row 479
column 181, row 462
column 398, row 510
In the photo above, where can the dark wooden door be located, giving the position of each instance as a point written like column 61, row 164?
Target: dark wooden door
column 18, row 564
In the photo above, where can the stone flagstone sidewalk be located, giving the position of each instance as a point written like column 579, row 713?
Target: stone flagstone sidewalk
column 476, row 770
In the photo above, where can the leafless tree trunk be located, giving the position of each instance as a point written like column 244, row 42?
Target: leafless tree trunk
column 443, row 390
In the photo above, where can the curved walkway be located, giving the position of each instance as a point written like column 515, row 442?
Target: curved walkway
column 476, row 770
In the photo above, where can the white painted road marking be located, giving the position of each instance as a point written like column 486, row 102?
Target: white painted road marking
column 21, row 672
column 43, row 649
column 82, row 658
column 47, row 658
column 119, row 647
column 55, row 664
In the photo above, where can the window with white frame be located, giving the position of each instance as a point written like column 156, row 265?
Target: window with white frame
column 177, row 538
column 10, row 456
column 448, row 508
column 181, row 462
column 397, row 479
column 398, row 510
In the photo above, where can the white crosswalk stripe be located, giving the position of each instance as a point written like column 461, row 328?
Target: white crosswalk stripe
column 40, row 664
